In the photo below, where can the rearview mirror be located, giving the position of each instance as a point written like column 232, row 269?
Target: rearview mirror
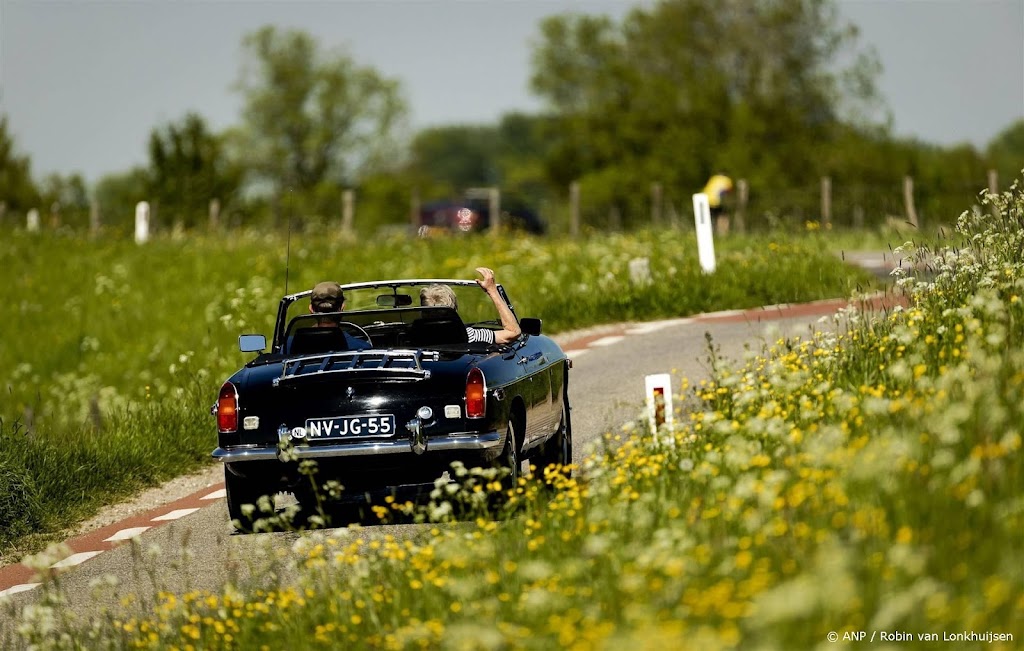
column 394, row 300
column 529, row 326
column 252, row 343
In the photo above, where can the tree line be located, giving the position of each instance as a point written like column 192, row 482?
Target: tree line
column 778, row 93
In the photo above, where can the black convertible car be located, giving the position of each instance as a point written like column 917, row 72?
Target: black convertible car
column 394, row 414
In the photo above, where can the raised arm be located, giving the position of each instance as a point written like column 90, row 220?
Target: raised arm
column 510, row 327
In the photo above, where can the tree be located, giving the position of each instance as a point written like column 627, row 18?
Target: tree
column 187, row 169
column 17, row 190
column 314, row 122
column 66, row 199
column 118, row 194
column 1006, row 153
column 458, row 157
column 689, row 87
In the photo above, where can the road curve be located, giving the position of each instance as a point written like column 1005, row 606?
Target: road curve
column 199, row 551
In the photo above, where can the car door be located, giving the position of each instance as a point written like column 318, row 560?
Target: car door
column 535, row 387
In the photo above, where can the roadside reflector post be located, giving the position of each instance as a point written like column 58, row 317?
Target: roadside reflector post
column 705, row 235
column 659, row 402
column 141, row 222
column 640, row 271
column 32, row 221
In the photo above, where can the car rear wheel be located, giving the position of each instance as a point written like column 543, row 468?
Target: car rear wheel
column 240, row 491
column 509, row 459
column 557, row 451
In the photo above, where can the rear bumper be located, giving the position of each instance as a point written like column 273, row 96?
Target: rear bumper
column 469, row 442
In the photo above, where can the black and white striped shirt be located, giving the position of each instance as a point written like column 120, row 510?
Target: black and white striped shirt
column 483, row 335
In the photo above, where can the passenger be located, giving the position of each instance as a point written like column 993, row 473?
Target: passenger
column 443, row 296
column 329, row 297
column 718, row 188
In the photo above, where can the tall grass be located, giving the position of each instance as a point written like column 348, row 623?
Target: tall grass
column 113, row 352
column 867, row 479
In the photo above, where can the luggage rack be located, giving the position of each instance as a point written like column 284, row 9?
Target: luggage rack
column 397, row 363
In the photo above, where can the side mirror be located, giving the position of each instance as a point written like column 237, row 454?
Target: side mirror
column 529, row 326
column 252, row 343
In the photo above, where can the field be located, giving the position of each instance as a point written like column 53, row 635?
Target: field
column 861, row 483
column 116, row 351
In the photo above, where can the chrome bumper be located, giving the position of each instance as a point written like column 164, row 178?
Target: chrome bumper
column 447, row 443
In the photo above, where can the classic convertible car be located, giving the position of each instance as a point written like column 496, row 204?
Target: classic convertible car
column 394, row 415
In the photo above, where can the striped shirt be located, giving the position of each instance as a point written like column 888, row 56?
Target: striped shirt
column 483, row 335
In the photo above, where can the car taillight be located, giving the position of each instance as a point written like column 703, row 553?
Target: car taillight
column 227, row 409
column 476, row 394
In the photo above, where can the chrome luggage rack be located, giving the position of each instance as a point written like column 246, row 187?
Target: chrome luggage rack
column 398, row 363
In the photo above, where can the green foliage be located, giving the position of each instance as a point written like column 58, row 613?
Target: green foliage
column 21, row 512
column 689, row 88
column 117, row 195
column 460, row 156
column 67, row 200
column 141, row 338
column 313, row 122
column 188, row 169
column 16, row 187
column 1006, row 151
column 867, row 477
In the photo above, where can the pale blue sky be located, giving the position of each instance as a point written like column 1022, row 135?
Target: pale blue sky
column 83, row 83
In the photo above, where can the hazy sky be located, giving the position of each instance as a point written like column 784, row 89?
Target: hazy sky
column 83, row 83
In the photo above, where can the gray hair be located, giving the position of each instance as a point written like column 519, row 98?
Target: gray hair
column 439, row 296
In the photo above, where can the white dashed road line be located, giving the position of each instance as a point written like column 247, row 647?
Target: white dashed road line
column 216, row 495
column 607, row 341
column 125, row 534
column 174, row 515
column 75, row 559
column 15, row 589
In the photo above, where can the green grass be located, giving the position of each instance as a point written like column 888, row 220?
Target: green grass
column 114, row 352
column 866, row 479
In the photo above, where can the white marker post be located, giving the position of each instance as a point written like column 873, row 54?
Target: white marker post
column 141, row 222
column 705, row 234
column 659, row 401
column 32, row 221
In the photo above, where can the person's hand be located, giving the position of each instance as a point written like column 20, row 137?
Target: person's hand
column 487, row 282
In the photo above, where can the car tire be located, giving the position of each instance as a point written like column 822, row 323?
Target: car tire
column 509, row 458
column 557, row 451
column 241, row 490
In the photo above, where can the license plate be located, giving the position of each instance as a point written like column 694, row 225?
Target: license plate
column 319, row 429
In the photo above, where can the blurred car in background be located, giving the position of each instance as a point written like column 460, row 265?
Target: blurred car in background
column 471, row 215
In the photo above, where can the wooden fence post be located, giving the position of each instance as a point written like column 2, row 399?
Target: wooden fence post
column 3, row 211
column 214, row 214
column 94, row 218
column 993, row 188
column 743, row 194
column 908, row 200
column 656, row 204
column 858, row 217
column 348, row 209
column 826, row 201
column 55, row 215
column 574, row 209
column 494, row 207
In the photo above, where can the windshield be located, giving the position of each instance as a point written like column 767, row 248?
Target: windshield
column 386, row 310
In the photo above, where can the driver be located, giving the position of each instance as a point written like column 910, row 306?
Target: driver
column 328, row 297
column 443, row 296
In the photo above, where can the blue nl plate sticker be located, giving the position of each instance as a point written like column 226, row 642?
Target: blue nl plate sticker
column 318, row 429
